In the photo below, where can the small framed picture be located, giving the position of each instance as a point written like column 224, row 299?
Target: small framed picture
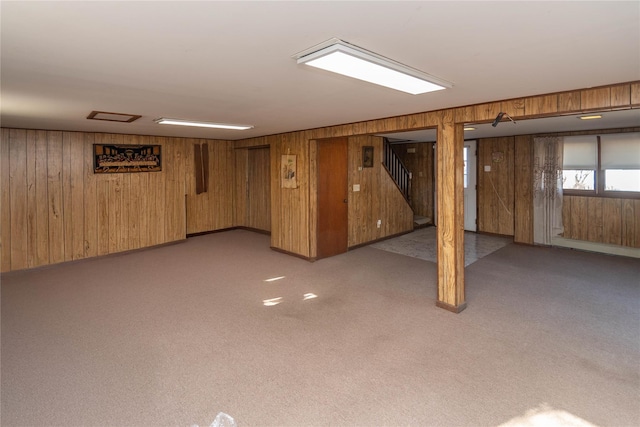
column 289, row 167
column 367, row 156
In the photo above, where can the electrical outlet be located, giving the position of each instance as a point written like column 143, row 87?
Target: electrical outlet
column 487, row 168
column 379, row 223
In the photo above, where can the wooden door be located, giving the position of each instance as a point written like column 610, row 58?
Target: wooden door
column 332, row 197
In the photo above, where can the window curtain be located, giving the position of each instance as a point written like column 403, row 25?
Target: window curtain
column 547, row 189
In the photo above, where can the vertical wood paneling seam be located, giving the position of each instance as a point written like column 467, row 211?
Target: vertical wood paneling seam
column 6, row 200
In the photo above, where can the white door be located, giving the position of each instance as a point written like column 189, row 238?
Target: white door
column 470, row 162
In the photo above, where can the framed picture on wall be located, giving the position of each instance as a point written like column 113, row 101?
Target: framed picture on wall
column 367, row 156
column 126, row 158
column 288, row 167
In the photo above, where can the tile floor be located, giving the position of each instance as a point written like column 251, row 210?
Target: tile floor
column 421, row 243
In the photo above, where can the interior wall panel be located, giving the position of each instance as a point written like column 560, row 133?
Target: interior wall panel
column 602, row 220
column 523, row 189
column 214, row 209
column 54, row 189
column 291, row 225
column 18, row 203
column 496, row 199
column 259, row 191
column 55, row 209
column 5, row 201
column 32, row 197
column 377, row 199
column 535, row 106
column 41, row 208
column 241, row 209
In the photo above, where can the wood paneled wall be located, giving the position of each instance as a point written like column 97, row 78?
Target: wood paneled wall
column 420, row 164
column 378, row 198
column 523, row 189
column 240, row 207
column 258, row 193
column 213, row 209
column 55, row 209
column 602, row 220
column 293, row 231
column 291, row 208
column 120, row 212
column 580, row 228
column 496, row 194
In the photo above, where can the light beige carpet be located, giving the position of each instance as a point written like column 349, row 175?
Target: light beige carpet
column 172, row 336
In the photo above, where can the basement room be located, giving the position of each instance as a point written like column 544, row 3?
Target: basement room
column 262, row 213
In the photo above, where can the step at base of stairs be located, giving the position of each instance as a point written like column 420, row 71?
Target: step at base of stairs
column 421, row 220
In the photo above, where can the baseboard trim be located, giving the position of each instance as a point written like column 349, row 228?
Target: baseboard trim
column 222, row 230
column 452, row 308
column 282, row 251
column 596, row 247
column 382, row 239
column 91, row 258
column 204, row 233
column 255, row 230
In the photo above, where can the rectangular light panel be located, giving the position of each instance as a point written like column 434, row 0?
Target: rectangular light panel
column 358, row 63
column 180, row 122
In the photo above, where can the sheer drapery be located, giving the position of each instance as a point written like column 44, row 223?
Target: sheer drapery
column 547, row 189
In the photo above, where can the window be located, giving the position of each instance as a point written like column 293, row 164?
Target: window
column 580, row 161
column 620, row 161
column 605, row 164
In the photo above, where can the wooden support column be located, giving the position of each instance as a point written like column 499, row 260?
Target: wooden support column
column 450, row 213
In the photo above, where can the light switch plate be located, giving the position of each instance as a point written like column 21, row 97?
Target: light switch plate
column 487, row 168
column 356, row 187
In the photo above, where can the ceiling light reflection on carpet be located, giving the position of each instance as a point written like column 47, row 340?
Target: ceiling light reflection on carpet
column 273, row 279
column 340, row 57
column 309, row 296
column 271, row 302
column 181, row 122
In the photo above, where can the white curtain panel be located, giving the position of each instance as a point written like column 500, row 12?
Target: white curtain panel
column 547, row 189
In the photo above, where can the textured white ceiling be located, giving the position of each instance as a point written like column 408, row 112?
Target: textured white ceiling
column 232, row 61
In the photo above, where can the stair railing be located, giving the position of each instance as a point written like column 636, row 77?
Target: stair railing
column 397, row 170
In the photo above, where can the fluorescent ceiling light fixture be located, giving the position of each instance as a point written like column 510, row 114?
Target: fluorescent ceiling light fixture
column 180, row 122
column 469, row 128
column 343, row 58
column 590, row 117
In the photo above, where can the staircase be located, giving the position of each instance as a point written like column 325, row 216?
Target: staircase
column 398, row 171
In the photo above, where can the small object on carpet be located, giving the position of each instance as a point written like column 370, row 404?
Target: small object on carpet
column 221, row 420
